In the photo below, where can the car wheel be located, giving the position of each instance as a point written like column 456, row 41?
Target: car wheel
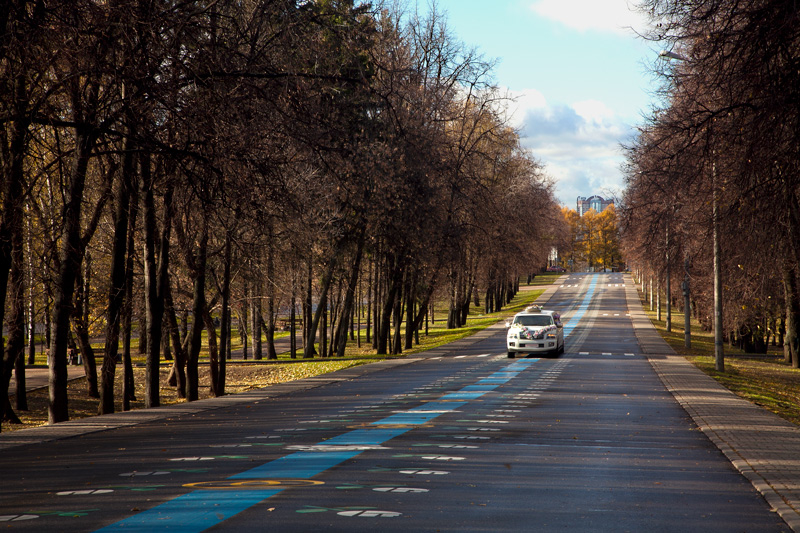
column 511, row 355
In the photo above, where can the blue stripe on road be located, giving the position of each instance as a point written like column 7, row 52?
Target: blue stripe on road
column 463, row 395
column 479, row 388
column 300, row 465
column 407, row 418
column 582, row 308
column 438, row 406
column 366, row 437
column 195, row 511
column 202, row 509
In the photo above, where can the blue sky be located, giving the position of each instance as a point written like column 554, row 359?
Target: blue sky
column 580, row 76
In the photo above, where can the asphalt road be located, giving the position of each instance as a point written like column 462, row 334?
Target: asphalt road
column 590, row 441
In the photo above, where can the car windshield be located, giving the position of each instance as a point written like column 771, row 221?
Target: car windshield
column 533, row 320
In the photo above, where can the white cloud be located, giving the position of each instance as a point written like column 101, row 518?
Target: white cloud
column 578, row 143
column 594, row 111
column 523, row 102
column 615, row 16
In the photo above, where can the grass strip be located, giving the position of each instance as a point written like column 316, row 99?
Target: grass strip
column 764, row 379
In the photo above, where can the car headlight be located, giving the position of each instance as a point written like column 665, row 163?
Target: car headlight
column 551, row 335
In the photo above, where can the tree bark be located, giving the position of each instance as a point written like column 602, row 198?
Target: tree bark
column 156, row 279
column 15, row 347
column 271, row 354
column 349, row 297
column 198, row 310
column 69, row 261
column 213, row 352
column 395, row 283
column 82, row 333
column 178, row 372
column 117, row 283
column 128, row 387
column 226, row 316
column 323, row 297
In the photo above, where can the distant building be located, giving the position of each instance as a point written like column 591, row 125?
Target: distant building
column 598, row 203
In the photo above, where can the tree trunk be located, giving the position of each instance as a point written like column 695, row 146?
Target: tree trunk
column 69, row 261
column 293, row 327
column 452, row 312
column 31, row 294
column 323, row 297
column 257, row 319
column 82, row 333
column 155, row 280
column 307, row 309
column 323, row 342
column 128, row 386
column 178, row 345
column 411, row 288
column 271, row 353
column 368, row 338
column 350, row 297
column 13, row 354
column 226, row 316
column 213, row 352
column 293, row 316
column 117, row 282
column 198, row 310
column 383, row 329
column 397, row 313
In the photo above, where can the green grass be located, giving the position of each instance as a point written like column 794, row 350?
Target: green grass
column 764, row 379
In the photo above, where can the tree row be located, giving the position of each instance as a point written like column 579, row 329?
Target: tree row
column 166, row 165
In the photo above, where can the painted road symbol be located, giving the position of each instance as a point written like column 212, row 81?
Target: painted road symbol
column 400, row 489
column 253, row 484
column 17, row 517
column 370, row 514
column 83, row 492
column 334, row 447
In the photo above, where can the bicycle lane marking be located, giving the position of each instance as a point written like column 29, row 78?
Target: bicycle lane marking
column 201, row 509
column 582, row 308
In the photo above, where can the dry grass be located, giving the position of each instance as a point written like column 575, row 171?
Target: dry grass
column 765, row 380
column 239, row 378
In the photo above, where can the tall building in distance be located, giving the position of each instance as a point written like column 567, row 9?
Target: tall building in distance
column 598, row 203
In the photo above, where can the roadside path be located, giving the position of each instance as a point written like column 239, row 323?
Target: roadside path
column 761, row 445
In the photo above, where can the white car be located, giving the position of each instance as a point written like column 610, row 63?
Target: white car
column 535, row 331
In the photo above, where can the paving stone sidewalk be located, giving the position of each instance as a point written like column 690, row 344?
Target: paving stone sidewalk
column 762, row 446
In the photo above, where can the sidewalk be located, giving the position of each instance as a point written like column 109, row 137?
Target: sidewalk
column 762, row 446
